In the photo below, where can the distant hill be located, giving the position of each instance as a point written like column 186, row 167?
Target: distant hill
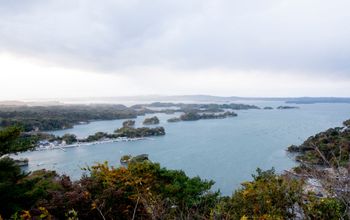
column 131, row 100
column 30, row 103
column 311, row 100
column 166, row 98
column 206, row 99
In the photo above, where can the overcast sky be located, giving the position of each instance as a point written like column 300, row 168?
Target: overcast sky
column 89, row 48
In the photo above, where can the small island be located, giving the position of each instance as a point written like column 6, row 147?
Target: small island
column 267, row 108
column 287, row 107
column 175, row 119
column 139, row 132
column 194, row 116
column 190, row 116
column 129, row 123
column 151, row 121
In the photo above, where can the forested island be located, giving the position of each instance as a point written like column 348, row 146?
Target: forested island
column 127, row 132
column 193, row 116
column 151, row 121
column 144, row 189
column 287, row 107
column 268, row 108
column 129, row 123
column 57, row 117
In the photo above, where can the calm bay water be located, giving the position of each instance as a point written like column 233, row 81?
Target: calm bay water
column 227, row 151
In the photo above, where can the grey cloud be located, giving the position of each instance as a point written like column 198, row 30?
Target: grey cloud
column 108, row 36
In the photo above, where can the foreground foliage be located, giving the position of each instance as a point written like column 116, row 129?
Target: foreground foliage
column 143, row 189
column 147, row 191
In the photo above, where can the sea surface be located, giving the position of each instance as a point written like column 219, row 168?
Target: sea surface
column 227, row 150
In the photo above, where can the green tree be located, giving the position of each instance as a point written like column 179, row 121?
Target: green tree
column 268, row 196
column 11, row 141
column 323, row 208
column 69, row 138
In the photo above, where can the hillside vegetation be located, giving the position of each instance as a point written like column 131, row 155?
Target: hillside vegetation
column 331, row 146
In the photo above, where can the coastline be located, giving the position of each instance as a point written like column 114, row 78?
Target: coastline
column 79, row 144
